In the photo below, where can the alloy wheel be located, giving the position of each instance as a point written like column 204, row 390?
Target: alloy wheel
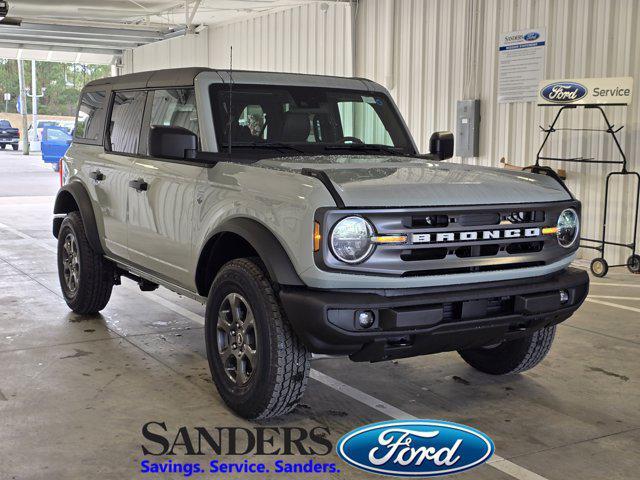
column 71, row 263
column 237, row 339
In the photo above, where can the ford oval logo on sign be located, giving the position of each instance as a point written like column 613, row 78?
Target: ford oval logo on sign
column 415, row 448
column 531, row 36
column 564, row 92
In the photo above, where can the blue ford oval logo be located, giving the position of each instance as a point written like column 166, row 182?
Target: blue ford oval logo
column 531, row 36
column 415, row 448
column 564, row 92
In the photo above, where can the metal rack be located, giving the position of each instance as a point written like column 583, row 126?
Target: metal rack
column 599, row 266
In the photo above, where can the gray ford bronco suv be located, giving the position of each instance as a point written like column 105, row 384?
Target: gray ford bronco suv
column 298, row 208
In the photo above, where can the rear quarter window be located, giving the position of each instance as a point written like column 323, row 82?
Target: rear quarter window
column 123, row 133
column 90, row 118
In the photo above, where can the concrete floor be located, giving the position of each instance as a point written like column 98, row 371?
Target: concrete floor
column 75, row 391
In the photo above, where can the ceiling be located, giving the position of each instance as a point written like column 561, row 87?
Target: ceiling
column 99, row 31
column 161, row 12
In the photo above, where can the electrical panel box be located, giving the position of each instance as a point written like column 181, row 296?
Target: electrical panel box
column 468, row 128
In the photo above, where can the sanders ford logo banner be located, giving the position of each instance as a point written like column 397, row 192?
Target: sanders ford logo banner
column 415, row 448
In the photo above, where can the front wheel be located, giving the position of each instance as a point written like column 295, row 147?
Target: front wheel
column 257, row 362
column 512, row 356
column 15, row 147
column 86, row 277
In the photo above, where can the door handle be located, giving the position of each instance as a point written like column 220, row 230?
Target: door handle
column 140, row 185
column 97, row 176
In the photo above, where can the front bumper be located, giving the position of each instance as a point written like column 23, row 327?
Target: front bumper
column 419, row 321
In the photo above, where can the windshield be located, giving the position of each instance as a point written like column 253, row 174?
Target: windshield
column 307, row 119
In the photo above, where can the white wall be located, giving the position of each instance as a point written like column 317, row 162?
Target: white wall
column 186, row 51
column 304, row 39
column 310, row 38
column 442, row 51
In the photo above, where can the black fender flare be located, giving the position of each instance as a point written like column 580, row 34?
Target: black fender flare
column 79, row 194
column 271, row 252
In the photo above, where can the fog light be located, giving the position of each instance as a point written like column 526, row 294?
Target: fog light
column 564, row 296
column 365, row 318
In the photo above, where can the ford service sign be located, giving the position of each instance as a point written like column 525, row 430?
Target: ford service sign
column 415, row 448
column 563, row 92
column 586, row 91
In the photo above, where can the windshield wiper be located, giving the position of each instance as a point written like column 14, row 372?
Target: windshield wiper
column 365, row 147
column 272, row 145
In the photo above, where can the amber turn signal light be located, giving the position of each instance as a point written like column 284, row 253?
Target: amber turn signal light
column 316, row 237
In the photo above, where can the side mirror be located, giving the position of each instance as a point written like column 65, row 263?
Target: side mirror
column 441, row 145
column 172, row 142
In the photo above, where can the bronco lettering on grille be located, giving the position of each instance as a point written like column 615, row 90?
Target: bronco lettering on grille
column 444, row 237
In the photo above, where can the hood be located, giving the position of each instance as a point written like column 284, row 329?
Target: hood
column 376, row 181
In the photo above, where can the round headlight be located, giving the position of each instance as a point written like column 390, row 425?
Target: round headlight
column 568, row 227
column 351, row 240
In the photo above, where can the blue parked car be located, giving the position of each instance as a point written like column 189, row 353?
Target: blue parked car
column 55, row 142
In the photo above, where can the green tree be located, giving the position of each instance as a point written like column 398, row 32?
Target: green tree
column 63, row 82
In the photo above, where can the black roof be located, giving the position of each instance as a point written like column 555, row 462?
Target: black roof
column 171, row 77
column 153, row 78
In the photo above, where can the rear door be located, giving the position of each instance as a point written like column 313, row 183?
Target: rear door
column 104, row 175
column 161, row 215
column 112, row 171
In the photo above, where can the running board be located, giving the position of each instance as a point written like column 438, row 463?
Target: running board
column 137, row 274
column 144, row 284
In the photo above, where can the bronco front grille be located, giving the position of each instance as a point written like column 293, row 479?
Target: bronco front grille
column 447, row 240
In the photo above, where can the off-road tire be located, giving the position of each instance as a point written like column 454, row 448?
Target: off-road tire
column 513, row 356
column 282, row 369
column 96, row 274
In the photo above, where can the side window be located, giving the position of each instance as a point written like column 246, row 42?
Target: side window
column 125, row 121
column 90, row 115
column 175, row 108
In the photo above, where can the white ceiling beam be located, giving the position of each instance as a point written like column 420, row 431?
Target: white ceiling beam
column 196, row 5
column 88, row 43
column 90, row 29
column 57, row 48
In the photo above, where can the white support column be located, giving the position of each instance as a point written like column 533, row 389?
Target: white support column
column 23, row 107
column 34, row 103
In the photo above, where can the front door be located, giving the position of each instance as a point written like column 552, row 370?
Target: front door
column 162, row 196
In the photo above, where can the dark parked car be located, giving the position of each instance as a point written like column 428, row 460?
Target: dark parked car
column 8, row 135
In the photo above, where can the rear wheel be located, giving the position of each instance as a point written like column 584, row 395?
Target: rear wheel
column 3, row 146
column 258, row 364
column 86, row 277
column 513, row 356
column 14, row 146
